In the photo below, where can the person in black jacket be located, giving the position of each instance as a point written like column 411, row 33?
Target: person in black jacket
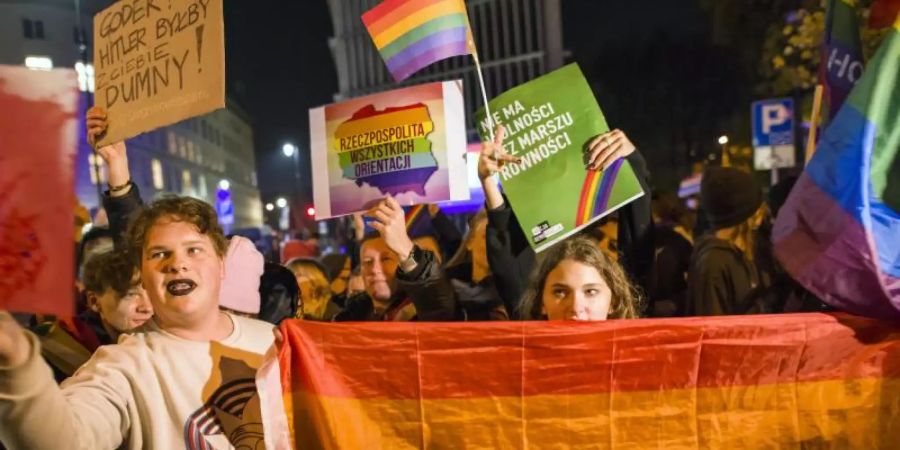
column 403, row 282
column 674, row 245
column 724, row 272
column 470, row 274
column 279, row 294
column 509, row 254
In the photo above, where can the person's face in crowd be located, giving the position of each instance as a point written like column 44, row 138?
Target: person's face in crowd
column 608, row 239
column 575, row 291
column 477, row 245
column 123, row 313
column 431, row 244
column 182, row 272
column 378, row 267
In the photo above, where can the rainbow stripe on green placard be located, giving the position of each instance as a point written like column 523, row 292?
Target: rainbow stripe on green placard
column 595, row 192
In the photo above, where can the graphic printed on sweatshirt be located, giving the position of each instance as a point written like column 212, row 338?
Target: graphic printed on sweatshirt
column 232, row 410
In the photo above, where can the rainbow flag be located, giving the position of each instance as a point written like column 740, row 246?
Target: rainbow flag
column 838, row 234
column 418, row 221
column 785, row 381
column 882, row 13
column 842, row 57
column 595, row 192
column 412, row 34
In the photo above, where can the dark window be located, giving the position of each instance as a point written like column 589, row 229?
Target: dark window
column 28, row 28
column 38, row 29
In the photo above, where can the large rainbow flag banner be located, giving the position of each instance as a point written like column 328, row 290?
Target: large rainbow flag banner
column 786, row 381
column 412, row 34
column 838, row 234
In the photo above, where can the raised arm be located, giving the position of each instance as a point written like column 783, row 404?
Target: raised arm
column 122, row 199
column 419, row 273
column 509, row 255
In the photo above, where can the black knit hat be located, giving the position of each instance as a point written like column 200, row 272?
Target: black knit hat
column 729, row 196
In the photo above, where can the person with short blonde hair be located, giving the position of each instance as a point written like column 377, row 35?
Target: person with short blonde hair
column 315, row 290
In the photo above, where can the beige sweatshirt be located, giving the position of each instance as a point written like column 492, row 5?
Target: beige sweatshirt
column 152, row 390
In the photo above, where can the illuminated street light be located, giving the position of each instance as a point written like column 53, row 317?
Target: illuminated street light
column 269, row 207
column 281, row 202
column 723, row 139
column 289, row 149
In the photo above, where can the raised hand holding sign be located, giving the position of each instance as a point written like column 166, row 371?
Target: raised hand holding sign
column 158, row 63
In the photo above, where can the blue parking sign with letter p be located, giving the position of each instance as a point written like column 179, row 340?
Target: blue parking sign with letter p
column 773, row 133
column 773, row 122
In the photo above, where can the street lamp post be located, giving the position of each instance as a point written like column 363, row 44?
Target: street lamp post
column 291, row 151
column 284, row 212
column 723, row 141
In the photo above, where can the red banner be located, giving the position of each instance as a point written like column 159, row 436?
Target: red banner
column 729, row 382
column 37, row 189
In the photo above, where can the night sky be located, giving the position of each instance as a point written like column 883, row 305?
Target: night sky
column 279, row 64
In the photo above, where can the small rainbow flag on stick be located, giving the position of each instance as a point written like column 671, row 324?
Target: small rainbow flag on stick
column 412, row 34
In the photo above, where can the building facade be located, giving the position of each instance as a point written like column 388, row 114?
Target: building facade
column 210, row 157
column 517, row 40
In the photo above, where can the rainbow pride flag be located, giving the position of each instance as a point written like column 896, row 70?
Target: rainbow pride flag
column 842, row 57
column 596, row 191
column 412, row 34
column 838, row 234
column 786, row 381
column 414, row 216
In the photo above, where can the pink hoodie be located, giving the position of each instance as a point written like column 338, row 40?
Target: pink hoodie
column 243, row 267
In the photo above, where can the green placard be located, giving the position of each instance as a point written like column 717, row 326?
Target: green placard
column 549, row 122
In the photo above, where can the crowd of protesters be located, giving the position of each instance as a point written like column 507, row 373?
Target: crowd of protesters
column 183, row 301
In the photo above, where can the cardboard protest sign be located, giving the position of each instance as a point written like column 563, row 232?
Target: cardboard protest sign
column 549, row 121
column 409, row 143
column 37, row 189
column 158, row 62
